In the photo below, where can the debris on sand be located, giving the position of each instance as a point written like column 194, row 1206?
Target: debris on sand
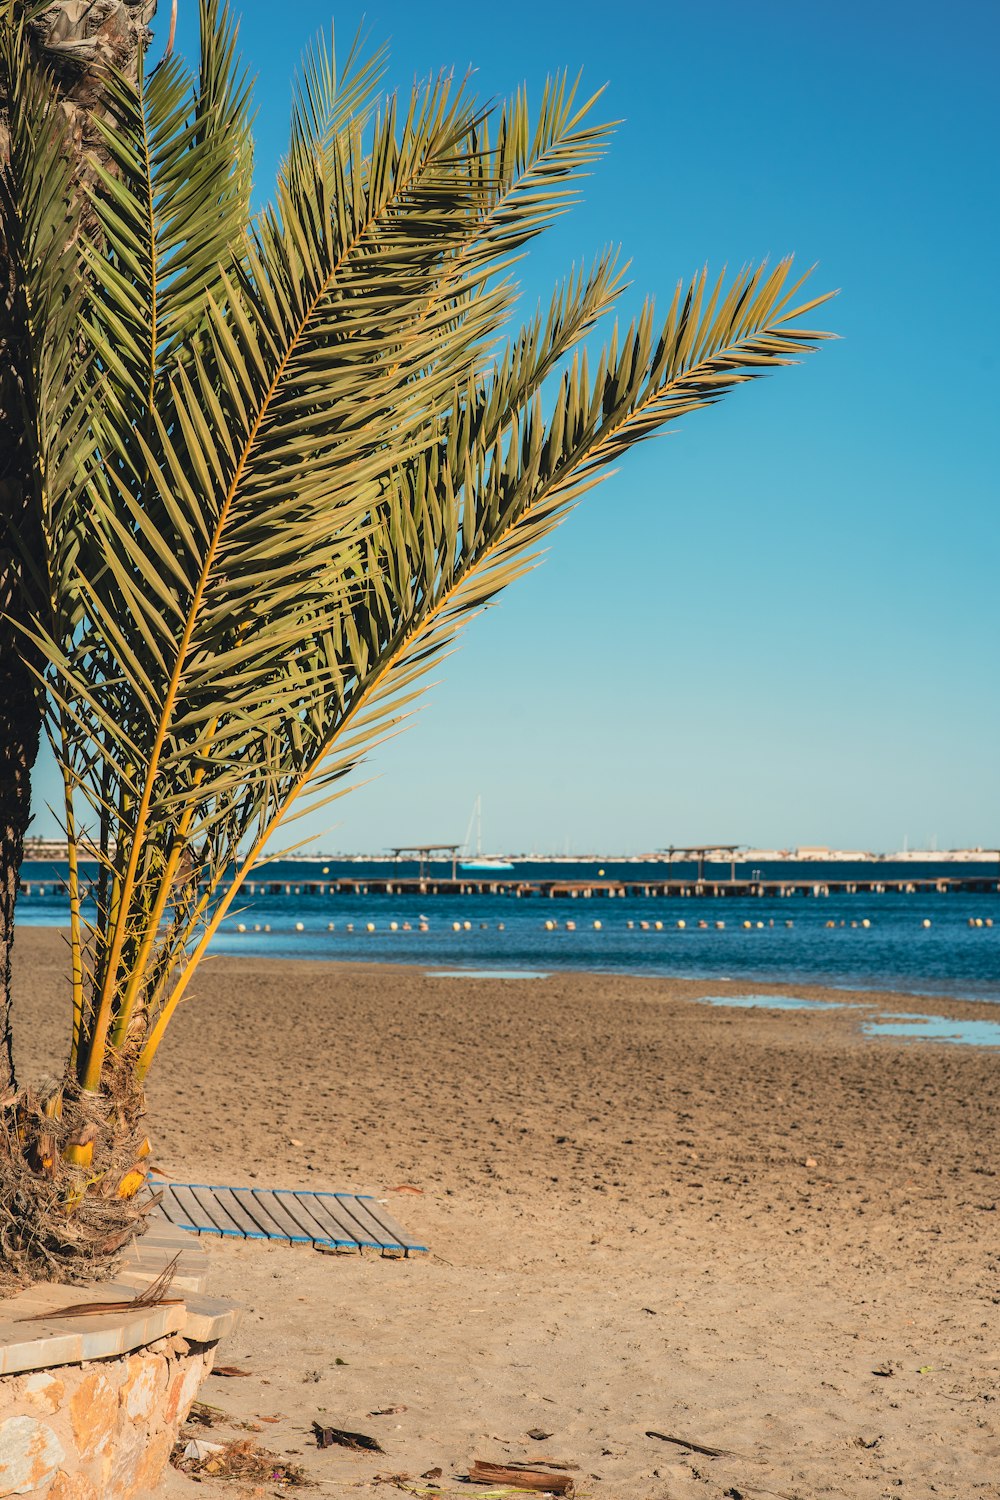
column 241, row 1459
column 525, row 1479
column 328, row 1437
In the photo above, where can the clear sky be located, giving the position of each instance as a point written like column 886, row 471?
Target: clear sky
column 779, row 625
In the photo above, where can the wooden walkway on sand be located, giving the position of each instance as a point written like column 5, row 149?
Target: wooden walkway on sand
column 345, row 1221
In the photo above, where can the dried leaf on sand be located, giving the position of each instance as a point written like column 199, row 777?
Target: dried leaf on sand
column 327, row 1437
column 241, row 1459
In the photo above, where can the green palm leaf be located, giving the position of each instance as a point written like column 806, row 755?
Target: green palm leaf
column 308, row 456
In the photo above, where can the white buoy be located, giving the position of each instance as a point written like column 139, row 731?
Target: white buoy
column 747, row 924
column 256, row 927
column 597, row 926
column 350, row 926
column 267, row 927
column 501, row 927
column 300, row 927
column 719, row 926
column 329, row 927
column 549, row 926
column 393, row 926
column 600, row 872
column 865, row 922
column 240, row 927
column 658, row 926
column 467, row 926
column 326, row 869
column 760, row 924
column 926, row 922
column 456, row 926
column 682, row 925
column 369, row 926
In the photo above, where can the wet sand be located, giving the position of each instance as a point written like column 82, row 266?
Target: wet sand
column 645, row 1214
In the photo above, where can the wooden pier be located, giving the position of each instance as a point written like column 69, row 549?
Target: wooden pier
column 609, row 889
column 397, row 885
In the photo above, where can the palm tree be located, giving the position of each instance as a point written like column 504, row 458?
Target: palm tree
column 76, row 45
column 279, row 461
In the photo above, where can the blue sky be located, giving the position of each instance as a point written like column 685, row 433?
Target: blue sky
column 778, row 625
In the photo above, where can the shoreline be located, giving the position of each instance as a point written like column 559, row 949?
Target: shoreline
column 873, row 995
column 643, row 1214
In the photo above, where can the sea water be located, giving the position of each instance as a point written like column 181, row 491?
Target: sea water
column 505, row 932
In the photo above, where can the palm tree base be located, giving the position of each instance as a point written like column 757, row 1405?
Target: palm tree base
column 72, row 1170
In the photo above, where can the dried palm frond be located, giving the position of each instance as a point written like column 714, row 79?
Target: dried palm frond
column 153, row 1295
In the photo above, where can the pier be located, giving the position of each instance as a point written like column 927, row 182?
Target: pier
column 555, row 889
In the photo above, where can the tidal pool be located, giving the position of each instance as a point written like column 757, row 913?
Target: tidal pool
column 936, row 1029
column 770, row 1002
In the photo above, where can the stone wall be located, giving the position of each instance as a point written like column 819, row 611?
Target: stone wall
column 102, row 1430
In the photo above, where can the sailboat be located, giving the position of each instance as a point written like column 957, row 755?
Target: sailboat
column 480, row 863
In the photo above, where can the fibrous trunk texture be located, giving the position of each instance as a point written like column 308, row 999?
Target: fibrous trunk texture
column 77, row 40
column 72, row 1181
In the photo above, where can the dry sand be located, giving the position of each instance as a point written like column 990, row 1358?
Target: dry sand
column 645, row 1215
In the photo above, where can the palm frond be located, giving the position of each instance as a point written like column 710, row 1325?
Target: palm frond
column 469, row 515
column 311, row 457
column 174, row 203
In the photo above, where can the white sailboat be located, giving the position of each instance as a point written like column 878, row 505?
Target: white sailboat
column 480, row 863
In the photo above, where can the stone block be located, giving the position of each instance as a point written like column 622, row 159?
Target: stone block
column 30, row 1455
column 183, row 1390
column 44, row 1391
column 131, row 1442
column 150, row 1466
column 209, row 1318
column 93, row 1410
column 145, row 1379
column 21, row 1350
column 72, row 1487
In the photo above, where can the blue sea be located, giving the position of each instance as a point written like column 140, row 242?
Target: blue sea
column 788, row 941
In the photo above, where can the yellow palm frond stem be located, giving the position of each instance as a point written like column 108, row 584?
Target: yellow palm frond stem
column 164, row 1000
column 138, row 969
column 79, row 1156
column 441, row 124
column 75, row 922
column 130, row 1184
column 178, row 850
column 193, row 959
column 79, row 1149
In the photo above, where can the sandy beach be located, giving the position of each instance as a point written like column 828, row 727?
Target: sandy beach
column 755, row 1230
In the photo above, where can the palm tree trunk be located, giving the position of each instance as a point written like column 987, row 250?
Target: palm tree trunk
column 77, row 40
column 20, row 730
